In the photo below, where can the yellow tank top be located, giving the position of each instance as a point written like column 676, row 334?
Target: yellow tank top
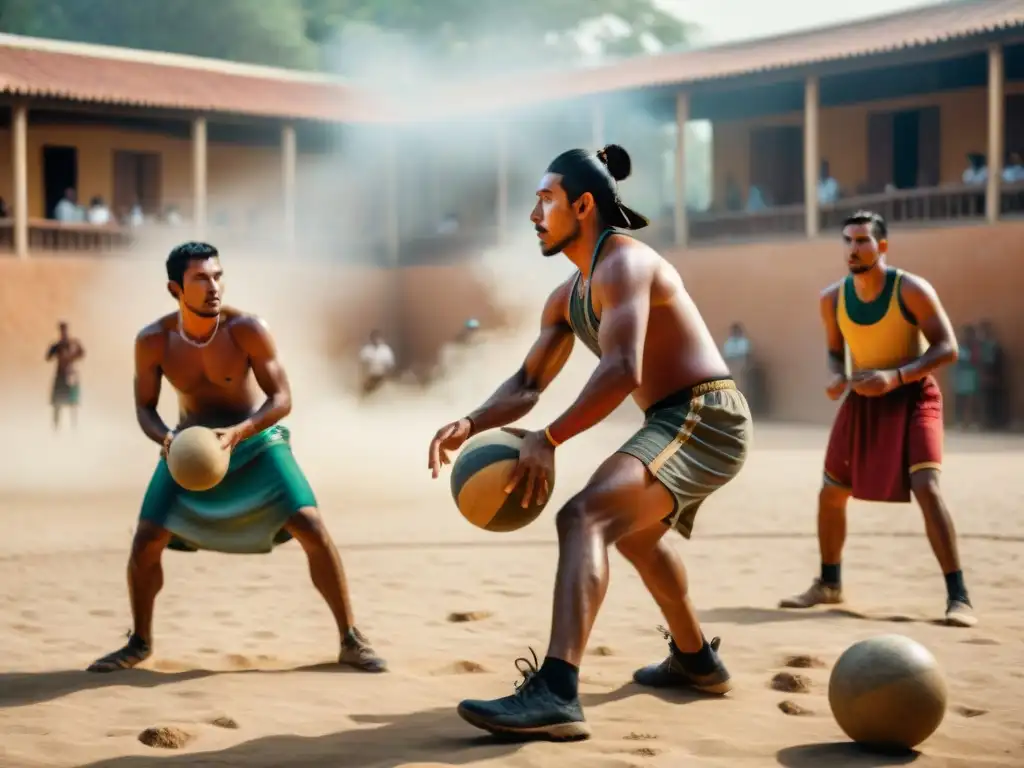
column 882, row 333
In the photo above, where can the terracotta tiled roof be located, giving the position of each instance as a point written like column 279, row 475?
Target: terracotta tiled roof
column 103, row 74
column 910, row 29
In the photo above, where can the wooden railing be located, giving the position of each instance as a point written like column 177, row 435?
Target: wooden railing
column 1011, row 201
column 926, row 205
column 934, row 205
column 785, row 220
column 58, row 236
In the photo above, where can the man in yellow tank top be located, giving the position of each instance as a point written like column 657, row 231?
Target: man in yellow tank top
column 886, row 442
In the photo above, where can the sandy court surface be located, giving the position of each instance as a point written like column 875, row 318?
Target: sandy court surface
column 247, row 638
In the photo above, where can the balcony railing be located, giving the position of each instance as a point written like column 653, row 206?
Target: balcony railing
column 924, row 205
column 787, row 220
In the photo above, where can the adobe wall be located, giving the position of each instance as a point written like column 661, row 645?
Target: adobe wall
column 773, row 287
column 327, row 311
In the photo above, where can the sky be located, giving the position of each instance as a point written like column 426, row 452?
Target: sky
column 729, row 20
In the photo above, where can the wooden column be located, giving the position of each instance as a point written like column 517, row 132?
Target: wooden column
column 502, row 205
column 812, row 155
column 288, row 171
column 996, row 120
column 682, row 117
column 392, row 236
column 19, row 164
column 199, row 177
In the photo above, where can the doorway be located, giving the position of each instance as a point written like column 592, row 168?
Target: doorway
column 60, row 173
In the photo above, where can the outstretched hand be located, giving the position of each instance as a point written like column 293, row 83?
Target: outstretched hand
column 536, row 466
column 450, row 437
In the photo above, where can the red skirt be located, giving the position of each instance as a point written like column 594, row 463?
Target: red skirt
column 877, row 443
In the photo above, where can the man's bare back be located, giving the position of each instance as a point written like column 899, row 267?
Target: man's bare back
column 678, row 349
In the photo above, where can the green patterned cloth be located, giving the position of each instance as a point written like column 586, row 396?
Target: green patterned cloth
column 245, row 513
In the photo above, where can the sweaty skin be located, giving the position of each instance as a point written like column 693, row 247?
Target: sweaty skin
column 215, row 390
column 653, row 345
column 213, row 383
column 649, row 324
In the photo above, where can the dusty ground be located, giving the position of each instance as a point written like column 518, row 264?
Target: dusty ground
column 248, row 639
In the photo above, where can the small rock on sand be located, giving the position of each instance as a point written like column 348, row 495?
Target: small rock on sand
column 165, row 738
column 791, row 683
column 459, row 617
column 792, row 708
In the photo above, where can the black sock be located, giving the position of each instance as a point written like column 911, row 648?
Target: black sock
column 955, row 588
column 701, row 662
column 830, row 574
column 562, row 677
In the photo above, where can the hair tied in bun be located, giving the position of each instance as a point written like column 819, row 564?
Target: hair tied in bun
column 616, row 159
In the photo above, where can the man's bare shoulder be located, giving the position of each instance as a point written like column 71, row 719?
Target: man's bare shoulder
column 830, row 293
column 249, row 331
column 627, row 255
column 915, row 285
column 154, row 335
column 243, row 324
column 556, row 308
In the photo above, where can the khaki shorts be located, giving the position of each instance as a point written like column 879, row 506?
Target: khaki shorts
column 694, row 442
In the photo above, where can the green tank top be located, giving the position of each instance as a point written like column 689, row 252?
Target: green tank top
column 582, row 318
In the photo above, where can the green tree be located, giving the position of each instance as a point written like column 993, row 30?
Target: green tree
column 459, row 35
column 498, row 33
column 254, row 31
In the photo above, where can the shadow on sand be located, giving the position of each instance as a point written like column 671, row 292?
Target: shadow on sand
column 379, row 741
column 841, row 754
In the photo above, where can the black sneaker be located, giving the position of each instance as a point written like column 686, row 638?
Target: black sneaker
column 672, row 673
column 532, row 711
column 356, row 652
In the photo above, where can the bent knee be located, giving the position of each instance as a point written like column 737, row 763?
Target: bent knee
column 307, row 526
column 925, row 485
column 832, row 495
column 584, row 515
column 149, row 541
column 575, row 514
column 639, row 546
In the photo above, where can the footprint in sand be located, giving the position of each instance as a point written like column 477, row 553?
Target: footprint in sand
column 463, row 667
column 460, row 617
column 103, row 613
column 792, row 708
column 602, row 650
column 225, row 722
column 980, row 641
column 222, row 614
column 28, row 629
column 634, row 736
column 264, row 634
column 789, row 682
column 645, row 752
column 190, row 695
column 970, row 711
column 165, row 738
column 803, row 661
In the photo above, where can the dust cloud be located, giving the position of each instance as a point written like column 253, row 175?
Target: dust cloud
column 435, row 168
